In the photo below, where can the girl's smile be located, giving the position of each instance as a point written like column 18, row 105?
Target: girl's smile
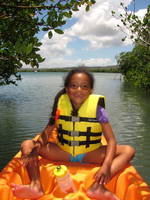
column 79, row 89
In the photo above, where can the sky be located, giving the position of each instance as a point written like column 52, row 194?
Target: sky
column 90, row 38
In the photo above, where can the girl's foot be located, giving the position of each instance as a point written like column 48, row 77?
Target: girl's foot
column 26, row 191
column 99, row 192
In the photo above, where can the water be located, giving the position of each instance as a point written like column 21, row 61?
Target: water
column 25, row 109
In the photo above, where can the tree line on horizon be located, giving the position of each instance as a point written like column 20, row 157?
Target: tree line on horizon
column 113, row 68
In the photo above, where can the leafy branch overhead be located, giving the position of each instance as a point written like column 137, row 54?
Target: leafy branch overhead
column 21, row 21
column 138, row 29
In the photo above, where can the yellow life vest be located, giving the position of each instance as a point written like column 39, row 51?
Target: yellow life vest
column 81, row 133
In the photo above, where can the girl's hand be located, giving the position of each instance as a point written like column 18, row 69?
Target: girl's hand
column 102, row 176
column 29, row 151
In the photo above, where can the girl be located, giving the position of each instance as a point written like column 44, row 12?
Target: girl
column 80, row 119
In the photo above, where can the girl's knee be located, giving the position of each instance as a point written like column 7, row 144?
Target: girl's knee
column 127, row 150
column 27, row 146
column 130, row 150
column 26, row 143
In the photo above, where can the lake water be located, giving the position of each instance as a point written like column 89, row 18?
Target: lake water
column 24, row 112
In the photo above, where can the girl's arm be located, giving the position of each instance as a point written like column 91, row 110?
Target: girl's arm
column 43, row 139
column 35, row 145
column 44, row 136
column 103, row 174
column 111, row 143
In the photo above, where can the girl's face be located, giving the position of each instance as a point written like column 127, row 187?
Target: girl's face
column 79, row 89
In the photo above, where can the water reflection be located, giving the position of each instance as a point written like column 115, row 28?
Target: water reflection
column 136, row 117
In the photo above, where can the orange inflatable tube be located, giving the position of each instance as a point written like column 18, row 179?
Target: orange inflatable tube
column 127, row 185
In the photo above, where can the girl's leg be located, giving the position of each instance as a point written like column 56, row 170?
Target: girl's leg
column 52, row 152
column 124, row 154
column 34, row 190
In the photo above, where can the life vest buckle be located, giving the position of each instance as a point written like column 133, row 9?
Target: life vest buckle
column 75, row 119
column 74, row 143
column 74, row 133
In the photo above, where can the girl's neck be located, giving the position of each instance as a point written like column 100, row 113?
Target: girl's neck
column 75, row 109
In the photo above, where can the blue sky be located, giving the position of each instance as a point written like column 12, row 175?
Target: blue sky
column 90, row 38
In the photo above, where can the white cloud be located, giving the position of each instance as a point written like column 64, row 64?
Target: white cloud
column 57, row 46
column 97, row 28
column 141, row 13
column 96, row 62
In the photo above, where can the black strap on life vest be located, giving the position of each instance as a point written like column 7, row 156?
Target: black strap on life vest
column 77, row 119
column 60, row 135
column 77, row 143
column 88, row 136
column 78, row 133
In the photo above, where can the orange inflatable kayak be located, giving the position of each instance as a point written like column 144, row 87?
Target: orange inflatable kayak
column 127, row 185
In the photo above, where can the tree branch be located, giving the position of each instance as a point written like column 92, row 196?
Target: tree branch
column 25, row 7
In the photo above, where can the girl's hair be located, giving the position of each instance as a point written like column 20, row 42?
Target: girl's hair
column 66, row 84
column 53, row 113
column 79, row 70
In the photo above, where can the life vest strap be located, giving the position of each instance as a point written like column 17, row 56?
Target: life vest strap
column 77, row 133
column 77, row 119
column 61, row 135
column 88, row 136
column 77, row 143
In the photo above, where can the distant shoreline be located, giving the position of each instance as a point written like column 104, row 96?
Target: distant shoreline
column 114, row 69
